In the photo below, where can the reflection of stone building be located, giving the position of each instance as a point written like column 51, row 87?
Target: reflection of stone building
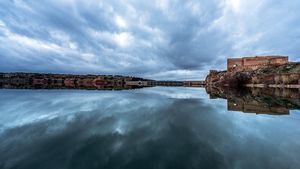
column 273, row 101
column 253, row 106
column 253, row 63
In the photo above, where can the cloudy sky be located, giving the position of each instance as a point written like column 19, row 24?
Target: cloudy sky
column 159, row 39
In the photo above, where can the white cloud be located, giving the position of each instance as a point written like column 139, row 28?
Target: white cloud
column 2, row 24
column 162, row 4
column 120, row 21
column 32, row 43
column 235, row 5
column 123, row 39
column 195, row 7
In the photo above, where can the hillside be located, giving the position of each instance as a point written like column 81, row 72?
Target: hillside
column 292, row 67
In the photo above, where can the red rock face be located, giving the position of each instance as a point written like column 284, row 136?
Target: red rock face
column 219, row 79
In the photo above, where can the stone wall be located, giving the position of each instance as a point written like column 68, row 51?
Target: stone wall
column 235, row 64
column 254, row 63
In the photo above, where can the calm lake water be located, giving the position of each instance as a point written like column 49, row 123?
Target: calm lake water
column 140, row 129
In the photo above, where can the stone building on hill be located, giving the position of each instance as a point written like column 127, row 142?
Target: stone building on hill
column 254, row 63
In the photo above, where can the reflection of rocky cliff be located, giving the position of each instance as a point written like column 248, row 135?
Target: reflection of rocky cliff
column 274, row 101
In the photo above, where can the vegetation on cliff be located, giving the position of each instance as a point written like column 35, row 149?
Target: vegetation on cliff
column 291, row 67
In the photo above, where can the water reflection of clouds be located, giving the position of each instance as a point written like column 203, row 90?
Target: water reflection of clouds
column 130, row 129
column 177, row 92
column 22, row 107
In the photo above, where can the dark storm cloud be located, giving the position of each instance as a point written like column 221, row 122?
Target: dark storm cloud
column 144, row 38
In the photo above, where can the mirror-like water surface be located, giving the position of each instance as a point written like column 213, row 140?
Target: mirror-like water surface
column 146, row 128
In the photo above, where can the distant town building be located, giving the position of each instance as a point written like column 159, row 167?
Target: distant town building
column 254, row 63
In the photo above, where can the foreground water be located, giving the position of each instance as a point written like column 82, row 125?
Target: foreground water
column 145, row 128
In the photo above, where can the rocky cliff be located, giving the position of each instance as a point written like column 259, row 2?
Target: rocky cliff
column 286, row 75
